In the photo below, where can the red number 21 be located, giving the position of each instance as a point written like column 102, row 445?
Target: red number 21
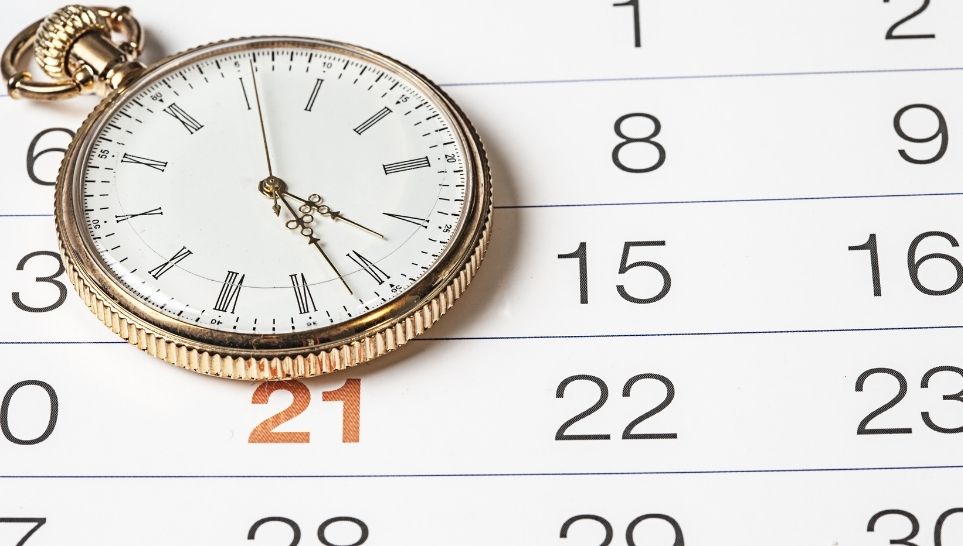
column 348, row 394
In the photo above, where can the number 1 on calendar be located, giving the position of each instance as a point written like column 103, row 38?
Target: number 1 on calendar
column 636, row 19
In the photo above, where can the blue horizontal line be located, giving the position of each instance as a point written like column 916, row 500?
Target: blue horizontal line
column 706, row 76
column 26, row 215
column 680, row 202
column 700, row 334
column 475, row 474
column 742, row 200
column 596, row 336
column 717, row 76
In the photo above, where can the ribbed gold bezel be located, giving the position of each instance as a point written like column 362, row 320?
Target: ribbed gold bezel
column 286, row 355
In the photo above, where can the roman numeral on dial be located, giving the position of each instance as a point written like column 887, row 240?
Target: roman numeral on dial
column 314, row 95
column 166, row 266
column 420, row 222
column 146, row 161
column 152, row 212
column 369, row 123
column 369, row 267
column 189, row 123
column 230, row 290
column 420, row 163
column 302, row 292
column 247, row 101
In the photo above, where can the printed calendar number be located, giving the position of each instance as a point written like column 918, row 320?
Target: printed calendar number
column 349, row 394
column 581, row 254
column 264, row 433
column 636, row 18
column 35, row 154
column 914, row 263
column 914, row 524
column 630, row 530
column 891, row 34
column 942, row 133
column 51, row 279
column 903, row 388
column 644, row 140
column 870, row 245
column 629, row 433
column 36, row 523
column 326, row 531
column 8, row 401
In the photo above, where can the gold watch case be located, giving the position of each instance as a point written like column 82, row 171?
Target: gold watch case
column 283, row 355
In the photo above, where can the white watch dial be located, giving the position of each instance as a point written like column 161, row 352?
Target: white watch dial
column 373, row 189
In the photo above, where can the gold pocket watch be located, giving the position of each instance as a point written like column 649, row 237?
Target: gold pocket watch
column 258, row 208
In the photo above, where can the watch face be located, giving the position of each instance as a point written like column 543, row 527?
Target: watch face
column 273, row 186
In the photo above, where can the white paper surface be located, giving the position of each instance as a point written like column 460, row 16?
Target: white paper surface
column 777, row 120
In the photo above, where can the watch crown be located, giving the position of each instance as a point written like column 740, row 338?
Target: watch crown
column 58, row 33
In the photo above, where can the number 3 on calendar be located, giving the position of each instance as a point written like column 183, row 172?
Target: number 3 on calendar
column 348, row 394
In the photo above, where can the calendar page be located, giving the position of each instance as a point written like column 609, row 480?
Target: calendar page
column 721, row 305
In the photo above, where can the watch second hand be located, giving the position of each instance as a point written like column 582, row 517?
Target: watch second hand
column 335, row 215
column 315, row 241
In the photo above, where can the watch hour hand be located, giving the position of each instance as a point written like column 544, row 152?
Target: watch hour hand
column 336, row 215
column 314, row 203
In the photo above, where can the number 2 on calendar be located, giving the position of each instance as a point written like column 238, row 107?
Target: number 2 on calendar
column 895, row 34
